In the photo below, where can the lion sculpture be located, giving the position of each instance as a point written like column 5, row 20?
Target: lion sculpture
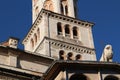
column 107, row 54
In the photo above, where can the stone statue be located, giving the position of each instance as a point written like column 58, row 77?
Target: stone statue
column 107, row 54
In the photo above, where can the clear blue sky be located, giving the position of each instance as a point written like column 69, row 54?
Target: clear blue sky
column 16, row 20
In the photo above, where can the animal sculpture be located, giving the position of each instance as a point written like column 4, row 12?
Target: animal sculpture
column 107, row 54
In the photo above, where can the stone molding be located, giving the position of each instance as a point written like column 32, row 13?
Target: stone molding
column 68, row 46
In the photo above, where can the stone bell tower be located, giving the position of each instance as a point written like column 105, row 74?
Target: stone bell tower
column 57, row 33
column 64, row 7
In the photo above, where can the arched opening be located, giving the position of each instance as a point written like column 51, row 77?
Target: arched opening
column 36, row 11
column 70, row 55
column 111, row 78
column 66, row 10
column 51, row 7
column 75, row 33
column 78, row 77
column 48, row 5
column 45, row 6
column 62, row 9
column 32, row 43
column 78, row 57
column 67, row 31
column 35, row 38
column 38, row 33
column 61, row 55
column 59, row 28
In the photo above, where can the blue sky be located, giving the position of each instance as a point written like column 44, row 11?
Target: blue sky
column 16, row 20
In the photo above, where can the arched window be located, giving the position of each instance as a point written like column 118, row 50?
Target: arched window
column 70, row 55
column 78, row 57
column 35, row 38
column 67, row 31
column 36, row 11
column 75, row 32
column 62, row 9
column 51, row 7
column 59, row 28
column 45, row 6
column 78, row 77
column 111, row 78
column 38, row 33
column 32, row 43
column 61, row 55
column 48, row 5
column 66, row 10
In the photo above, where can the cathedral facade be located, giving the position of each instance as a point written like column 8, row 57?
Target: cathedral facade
column 57, row 47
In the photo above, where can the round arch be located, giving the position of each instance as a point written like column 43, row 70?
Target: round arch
column 78, row 57
column 61, row 55
column 78, row 77
column 67, row 30
column 49, row 5
column 59, row 28
column 70, row 56
column 111, row 77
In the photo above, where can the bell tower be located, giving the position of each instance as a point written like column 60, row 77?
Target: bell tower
column 57, row 33
column 64, row 7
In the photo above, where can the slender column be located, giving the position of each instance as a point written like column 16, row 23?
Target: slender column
column 63, row 30
column 71, row 32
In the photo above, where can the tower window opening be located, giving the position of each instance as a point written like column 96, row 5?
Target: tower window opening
column 66, row 10
column 62, row 10
column 51, row 7
column 61, row 55
column 111, row 78
column 67, row 31
column 64, row 7
column 75, row 33
column 70, row 55
column 48, row 5
column 37, row 11
column 35, row 38
column 38, row 33
column 59, row 28
column 78, row 57
column 32, row 43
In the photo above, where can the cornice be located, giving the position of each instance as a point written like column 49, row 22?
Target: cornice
column 68, row 46
column 57, row 66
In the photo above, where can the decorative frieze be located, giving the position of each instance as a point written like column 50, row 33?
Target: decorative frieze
column 67, row 18
column 68, row 46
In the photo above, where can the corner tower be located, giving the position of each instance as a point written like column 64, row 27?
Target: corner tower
column 57, row 33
